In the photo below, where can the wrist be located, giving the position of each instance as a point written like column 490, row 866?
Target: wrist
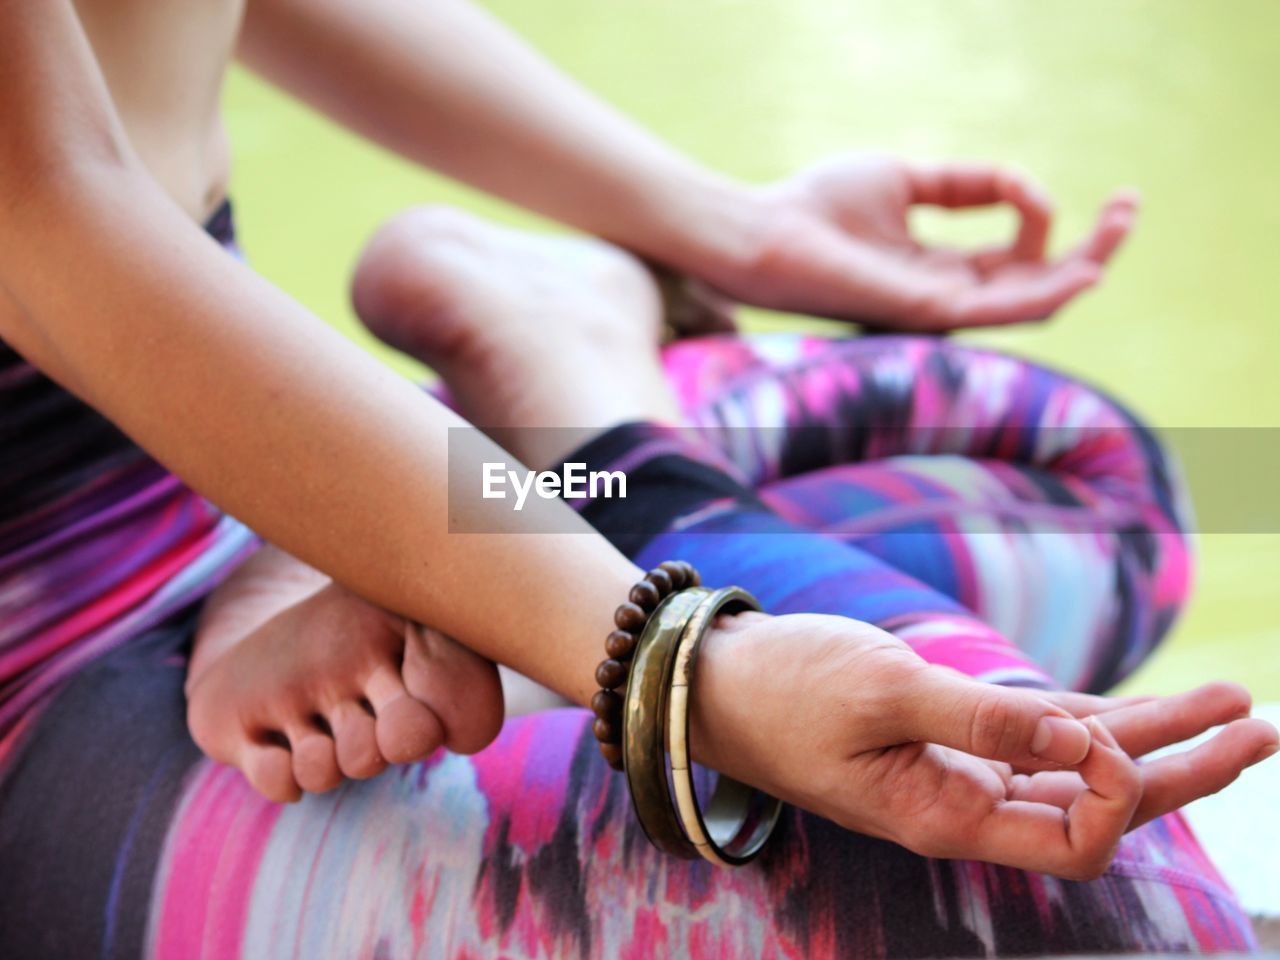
column 719, row 707
column 706, row 226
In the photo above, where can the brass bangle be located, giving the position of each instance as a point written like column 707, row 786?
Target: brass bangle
column 738, row 820
column 644, row 714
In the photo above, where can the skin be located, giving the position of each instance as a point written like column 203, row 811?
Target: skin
column 333, row 470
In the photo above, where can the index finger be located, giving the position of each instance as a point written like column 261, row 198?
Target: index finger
column 959, row 185
column 1143, row 724
column 1035, row 293
column 1077, row 843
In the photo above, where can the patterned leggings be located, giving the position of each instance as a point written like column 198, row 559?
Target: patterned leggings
column 999, row 517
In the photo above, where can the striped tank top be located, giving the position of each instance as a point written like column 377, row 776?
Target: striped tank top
column 98, row 542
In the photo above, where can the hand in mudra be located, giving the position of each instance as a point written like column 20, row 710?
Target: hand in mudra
column 835, row 240
column 844, row 720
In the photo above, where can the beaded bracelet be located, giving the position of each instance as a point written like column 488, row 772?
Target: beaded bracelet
column 659, row 584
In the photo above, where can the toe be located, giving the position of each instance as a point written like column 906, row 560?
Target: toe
column 315, row 761
column 356, row 741
column 462, row 688
column 406, row 729
column 269, row 769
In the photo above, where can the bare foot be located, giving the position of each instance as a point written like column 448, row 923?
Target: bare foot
column 300, row 691
column 527, row 330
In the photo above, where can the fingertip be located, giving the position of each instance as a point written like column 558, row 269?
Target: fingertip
column 1238, row 745
column 1108, row 771
column 1130, row 197
column 1120, row 224
column 1121, row 218
column 1077, row 276
column 1100, row 733
column 1266, row 732
column 1061, row 740
column 1030, row 194
column 1038, row 195
column 1233, row 699
column 1265, row 753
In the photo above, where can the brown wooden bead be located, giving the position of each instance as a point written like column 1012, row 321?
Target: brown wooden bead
column 645, row 596
column 606, row 704
column 630, row 617
column 611, row 709
column 612, row 752
column 620, row 644
column 676, row 572
column 660, row 579
column 688, row 573
column 611, row 674
column 605, row 731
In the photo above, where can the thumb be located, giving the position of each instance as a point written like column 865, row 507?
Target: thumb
column 998, row 723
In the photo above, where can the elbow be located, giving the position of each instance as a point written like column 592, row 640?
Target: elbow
column 49, row 201
column 38, row 181
column 50, row 161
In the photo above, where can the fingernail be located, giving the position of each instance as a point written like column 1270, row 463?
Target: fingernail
column 1060, row 740
column 1270, row 750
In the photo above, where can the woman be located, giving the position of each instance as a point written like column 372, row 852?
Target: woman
column 113, row 156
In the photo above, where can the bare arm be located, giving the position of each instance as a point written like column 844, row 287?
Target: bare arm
column 247, row 397
column 446, row 85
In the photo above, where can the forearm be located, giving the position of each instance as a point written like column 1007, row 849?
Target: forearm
column 276, row 418
column 446, row 85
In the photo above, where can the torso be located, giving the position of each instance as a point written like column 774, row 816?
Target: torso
column 164, row 63
column 98, row 542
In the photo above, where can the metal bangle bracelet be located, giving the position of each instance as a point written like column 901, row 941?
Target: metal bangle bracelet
column 644, row 714
column 738, row 820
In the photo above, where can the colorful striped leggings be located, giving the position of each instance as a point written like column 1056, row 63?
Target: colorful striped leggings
column 1001, row 518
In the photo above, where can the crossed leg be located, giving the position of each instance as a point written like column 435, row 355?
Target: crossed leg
column 1034, row 500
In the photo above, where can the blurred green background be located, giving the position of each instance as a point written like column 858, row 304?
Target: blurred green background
column 1175, row 97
